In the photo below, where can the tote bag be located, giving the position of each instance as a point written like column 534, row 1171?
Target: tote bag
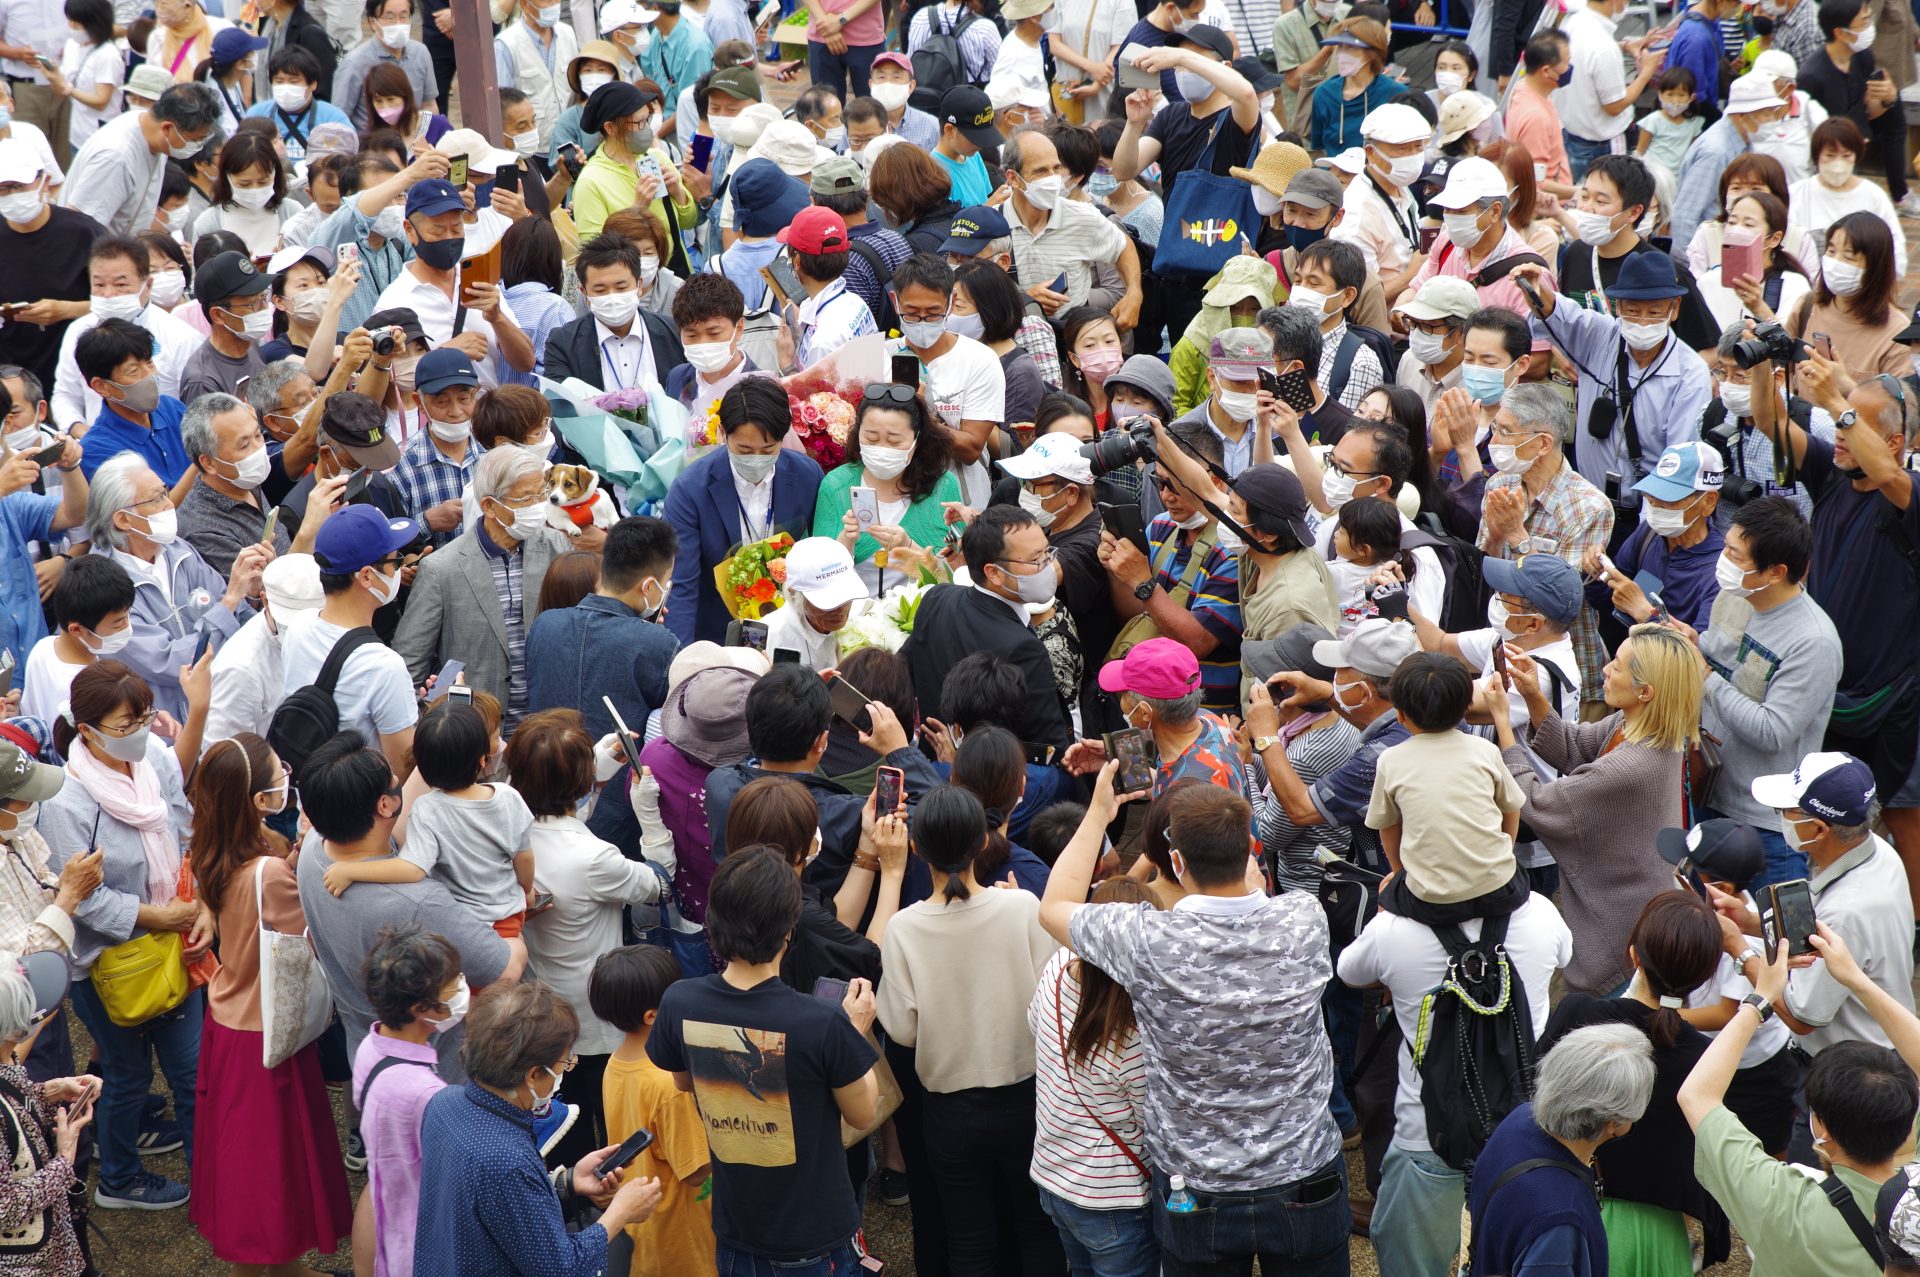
column 1207, row 215
column 295, row 1003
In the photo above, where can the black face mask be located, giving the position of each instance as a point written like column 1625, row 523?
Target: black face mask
column 441, row 254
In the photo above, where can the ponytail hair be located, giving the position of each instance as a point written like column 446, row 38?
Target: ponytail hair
column 1676, row 944
column 949, row 828
column 992, row 765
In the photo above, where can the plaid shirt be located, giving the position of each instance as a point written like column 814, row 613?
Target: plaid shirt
column 1578, row 517
column 29, row 920
column 1036, row 338
column 508, row 569
column 426, row 478
column 1215, row 603
column 1363, row 374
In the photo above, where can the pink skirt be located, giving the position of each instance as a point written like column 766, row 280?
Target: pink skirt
column 268, row 1182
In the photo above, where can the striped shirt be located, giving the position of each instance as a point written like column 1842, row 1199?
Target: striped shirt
column 426, row 477
column 29, row 920
column 979, row 43
column 1363, row 374
column 1072, row 1157
column 1294, row 849
column 1074, row 238
column 1215, row 603
column 508, row 569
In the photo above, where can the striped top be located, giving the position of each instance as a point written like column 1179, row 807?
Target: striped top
column 1215, row 603
column 1072, row 1157
column 508, row 578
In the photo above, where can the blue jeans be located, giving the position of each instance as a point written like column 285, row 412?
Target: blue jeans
column 126, row 1071
column 1104, row 1243
column 1582, row 153
column 1344, row 1008
column 1223, row 1234
column 834, row 69
column 1416, row 1213
column 838, row 1262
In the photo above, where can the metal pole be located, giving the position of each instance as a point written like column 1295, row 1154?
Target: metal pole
column 473, row 56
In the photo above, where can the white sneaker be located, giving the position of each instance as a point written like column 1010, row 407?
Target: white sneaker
column 1909, row 205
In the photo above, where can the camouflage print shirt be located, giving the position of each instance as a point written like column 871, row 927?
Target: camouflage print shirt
column 1227, row 995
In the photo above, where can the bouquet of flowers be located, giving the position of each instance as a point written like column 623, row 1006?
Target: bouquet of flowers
column 825, row 399
column 629, row 405
column 749, row 580
column 883, row 622
column 707, row 433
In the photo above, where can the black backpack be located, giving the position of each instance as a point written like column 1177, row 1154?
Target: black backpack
column 888, row 320
column 1350, row 343
column 940, row 64
column 1474, row 1044
column 1465, row 605
column 309, row 717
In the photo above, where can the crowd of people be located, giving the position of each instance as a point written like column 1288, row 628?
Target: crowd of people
column 1352, row 676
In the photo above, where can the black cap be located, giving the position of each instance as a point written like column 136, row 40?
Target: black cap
column 1291, row 651
column 401, row 317
column 1273, row 490
column 969, row 110
column 370, row 446
column 1207, row 37
column 1721, row 849
column 229, row 274
column 1257, row 74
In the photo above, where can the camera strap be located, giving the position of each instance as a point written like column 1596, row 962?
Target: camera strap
column 1625, row 390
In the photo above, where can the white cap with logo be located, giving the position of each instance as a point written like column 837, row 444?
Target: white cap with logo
column 821, row 570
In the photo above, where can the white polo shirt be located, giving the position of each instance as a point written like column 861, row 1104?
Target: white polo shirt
column 1862, row 896
column 1599, row 76
column 435, row 311
column 1074, row 237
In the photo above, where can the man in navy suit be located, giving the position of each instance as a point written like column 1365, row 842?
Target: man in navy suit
column 746, row 491
column 616, row 346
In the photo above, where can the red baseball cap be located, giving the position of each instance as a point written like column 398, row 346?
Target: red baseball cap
column 1160, row 669
column 816, row 230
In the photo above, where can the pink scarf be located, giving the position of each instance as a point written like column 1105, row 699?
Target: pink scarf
column 135, row 801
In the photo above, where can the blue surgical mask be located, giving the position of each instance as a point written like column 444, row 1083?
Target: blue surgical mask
column 1101, row 185
column 6, row 117
column 1304, row 237
column 1486, row 385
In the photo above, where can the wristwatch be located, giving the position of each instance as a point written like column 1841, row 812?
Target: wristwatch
column 1261, row 744
column 1845, row 419
column 1143, row 591
column 1762, row 1007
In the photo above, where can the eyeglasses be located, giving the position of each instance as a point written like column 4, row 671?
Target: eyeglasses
column 889, row 392
column 1339, row 469
column 1047, row 556
column 1167, row 484
column 142, row 720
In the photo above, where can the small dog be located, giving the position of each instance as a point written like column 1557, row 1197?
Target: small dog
column 575, row 500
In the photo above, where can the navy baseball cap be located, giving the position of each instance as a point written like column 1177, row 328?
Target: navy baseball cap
column 1547, row 581
column 1837, row 788
column 359, row 536
column 433, row 196
column 234, row 43
column 1721, row 849
column 972, row 229
column 439, row 369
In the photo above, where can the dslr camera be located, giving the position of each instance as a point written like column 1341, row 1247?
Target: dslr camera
column 1770, row 343
column 1121, row 446
column 1736, row 489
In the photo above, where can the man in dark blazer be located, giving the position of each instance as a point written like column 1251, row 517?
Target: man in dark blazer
column 1011, row 565
column 607, row 347
column 744, row 491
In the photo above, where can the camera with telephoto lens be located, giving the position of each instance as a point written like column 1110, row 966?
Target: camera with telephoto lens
column 1121, row 446
column 1770, row 343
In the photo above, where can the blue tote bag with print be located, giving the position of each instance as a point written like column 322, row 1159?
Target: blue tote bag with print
column 1207, row 215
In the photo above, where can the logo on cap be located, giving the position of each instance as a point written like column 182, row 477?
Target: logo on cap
column 984, row 118
column 1669, row 466
column 245, row 267
column 963, row 224
column 21, row 764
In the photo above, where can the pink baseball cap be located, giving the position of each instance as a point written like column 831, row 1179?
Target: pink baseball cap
column 900, row 60
column 1159, row 669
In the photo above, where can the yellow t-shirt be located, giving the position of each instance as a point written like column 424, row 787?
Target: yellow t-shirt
column 678, row 1240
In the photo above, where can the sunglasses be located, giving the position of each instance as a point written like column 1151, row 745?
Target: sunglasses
column 888, row 392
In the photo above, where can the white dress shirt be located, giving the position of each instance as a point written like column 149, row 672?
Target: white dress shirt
column 625, row 362
column 435, row 311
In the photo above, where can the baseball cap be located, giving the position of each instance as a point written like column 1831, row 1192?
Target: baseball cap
column 358, row 536
column 1375, row 647
column 624, row 13
column 1350, row 161
column 1721, row 849
column 229, row 274
column 1160, row 669
column 1208, row 37
column 441, row 368
column 1257, row 73
column 1547, row 581
column 1241, row 350
column 841, row 175
column 18, row 161
column 1051, row 456
column 1684, row 469
column 369, row 446
column 292, row 584
column 1838, row 788
column 1464, row 110
column 1470, row 181
column 1010, row 93
column 969, row 110
column 972, row 229
column 1293, row 650
column 1314, row 188
column 821, row 570
column 1777, row 63
column 1443, row 297
column 402, row 317
column 148, row 82
column 22, row 779
column 234, row 43
column 737, row 82
column 1396, row 122
column 1752, row 92
column 766, row 199
column 1271, row 489
column 433, row 196
column 815, row 230
column 895, row 57
column 293, row 254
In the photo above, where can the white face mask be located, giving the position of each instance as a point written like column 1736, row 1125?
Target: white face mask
column 615, row 309
column 23, row 821
column 394, row 35
column 968, row 325
column 1595, row 228
column 649, row 269
column 1738, row 399
column 130, row 748
column 456, row 1008
column 291, row 98
column 1044, row 192
column 1337, row 488
column 1036, row 506
column 1664, row 522
column 722, row 125
column 1836, row 170
column 1340, row 691
column 527, row 143
column 1197, row 519
column 1449, row 82
column 307, row 307
column 892, row 96
column 22, row 207
column 386, row 588
column 1500, row 616
column 1238, row 404
column 1790, row 830
column 545, row 17
column 1843, row 279
column 1402, row 172
column 1863, row 38
column 1506, row 458
column 126, row 306
column 885, row 463
column 21, row 440
column 106, row 645
column 709, row 356
column 1731, row 578
column 1464, row 229
column 1311, row 300
column 591, row 80
column 162, row 528
column 251, row 470
column 539, row 449
column 169, row 287
column 834, row 138
column 1644, row 336
column 1427, row 348
column 449, row 431
column 521, row 523
column 389, row 222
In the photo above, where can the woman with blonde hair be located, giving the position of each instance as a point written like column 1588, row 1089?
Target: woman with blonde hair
column 1620, row 783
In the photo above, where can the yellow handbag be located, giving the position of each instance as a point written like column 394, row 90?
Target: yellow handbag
column 142, row 978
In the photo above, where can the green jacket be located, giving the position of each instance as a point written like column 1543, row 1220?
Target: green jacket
column 925, row 521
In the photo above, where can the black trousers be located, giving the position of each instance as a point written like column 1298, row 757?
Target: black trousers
column 979, row 1147
column 1887, row 138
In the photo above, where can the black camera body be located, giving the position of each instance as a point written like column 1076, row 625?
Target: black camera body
column 1122, row 446
column 1770, row 343
column 385, row 344
column 1736, row 489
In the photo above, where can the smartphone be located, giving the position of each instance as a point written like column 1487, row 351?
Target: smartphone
column 1298, row 392
column 1822, row 343
column 572, row 159
column 542, row 901
column 1607, row 563
column 6, row 672
column 1270, row 382
column 828, row 989
column 866, row 508
column 1792, row 917
column 849, row 703
column 346, row 253
column 1427, row 235
column 1124, row 521
column 457, row 171
column 906, row 370
column 648, row 166
column 460, row 692
column 200, row 648
column 889, row 784
column 508, row 179
column 628, row 744
column 785, row 656
column 702, row 152
column 1525, row 284
column 1129, row 76
column 1132, row 748
column 49, row 454
column 1059, row 284
column 630, row 1148
column 448, row 673
column 780, row 278
column 751, row 634
column 1500, row 659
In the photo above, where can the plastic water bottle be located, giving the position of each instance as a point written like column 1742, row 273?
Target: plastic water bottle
column 1179, row 1200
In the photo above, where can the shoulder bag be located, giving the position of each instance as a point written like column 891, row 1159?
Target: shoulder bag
column 295, row 1003
column 141, row 978
column 1066, row 1068
column 1208, row 215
